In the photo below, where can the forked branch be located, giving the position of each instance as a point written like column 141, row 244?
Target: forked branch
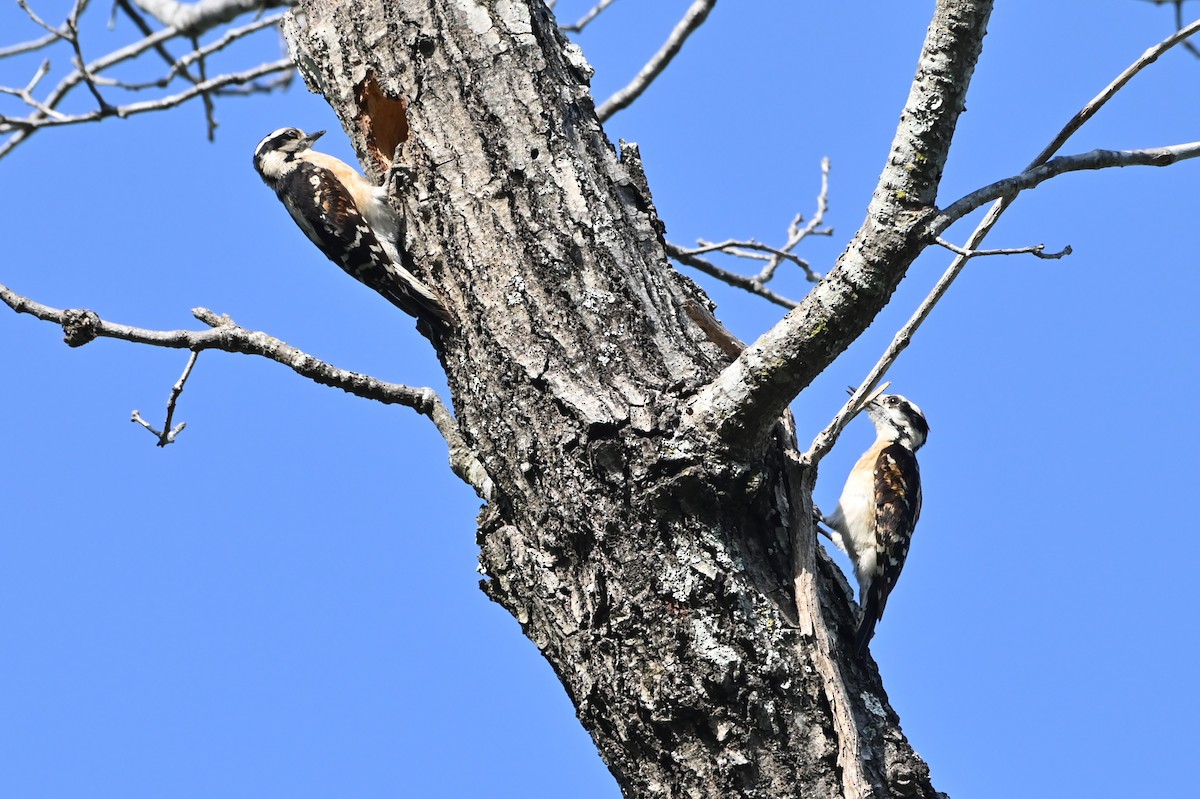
column 81, row 327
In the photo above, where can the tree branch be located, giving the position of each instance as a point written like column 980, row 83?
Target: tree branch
column 741, row 405
column 798, row 230
column 750, row 284
column 773, row 255
column 587, row 18
column 1096, row 159
column 130, row 109
column 168, row 434
column 30, row 46
column 1037, row 250
column 83, row 326
column 797, row 234
column 193, row 19
column 43, row 112
column 1091, row 108
column 1191, row 48
column 623, row 98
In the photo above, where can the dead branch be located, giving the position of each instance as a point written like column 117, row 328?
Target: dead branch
column 168, row 434
column 192, row 19
column 587, row 18
column 1096, row 159
column 83, row 326
column 43, row 110
column 797, row 233
column 693, row 18
column 732, row 278
column 1037, row 250
column 750, row 249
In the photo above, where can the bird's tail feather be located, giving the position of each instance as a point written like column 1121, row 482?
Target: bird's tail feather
column 866, row 624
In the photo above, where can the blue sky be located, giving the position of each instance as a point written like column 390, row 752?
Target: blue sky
column 284, row 603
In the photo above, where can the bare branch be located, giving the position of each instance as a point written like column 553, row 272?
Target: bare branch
column 79, row 62
column 26, row 94
column 1037, row 250
column 1096, row 159
column 692, row 19
column 30, row 46
column 732, row 278
column 1096, row 103
column 176, row 67
column 82, row 326
column 131, row 109
column 168, row 434
column 43, row 110
column 193, row 19
column 58, row 33
column 797, row 234
column 774, row 255
column 1191, row 48
column 587, row 18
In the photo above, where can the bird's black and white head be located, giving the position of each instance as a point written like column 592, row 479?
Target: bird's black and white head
column 898, row 419
column 276, row 154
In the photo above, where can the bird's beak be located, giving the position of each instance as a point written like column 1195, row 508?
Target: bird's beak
column 874, row 395
column 312, row 137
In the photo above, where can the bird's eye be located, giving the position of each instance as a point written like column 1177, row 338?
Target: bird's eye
column 893, row 400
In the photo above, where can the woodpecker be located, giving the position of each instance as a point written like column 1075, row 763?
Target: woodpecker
column 879, row 507
column 347, row 217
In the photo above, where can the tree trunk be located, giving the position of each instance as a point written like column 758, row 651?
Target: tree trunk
column 655, row 573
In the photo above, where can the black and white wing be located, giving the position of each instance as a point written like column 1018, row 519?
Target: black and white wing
column 338, row 228
column 897, row 508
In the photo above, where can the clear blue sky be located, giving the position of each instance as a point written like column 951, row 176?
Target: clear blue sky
column 284, row 603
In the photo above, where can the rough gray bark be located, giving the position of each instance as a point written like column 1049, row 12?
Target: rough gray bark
column 652, row 567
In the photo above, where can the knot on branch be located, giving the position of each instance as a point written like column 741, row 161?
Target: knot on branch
column 79, row 326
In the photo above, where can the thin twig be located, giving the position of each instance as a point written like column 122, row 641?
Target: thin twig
column 63, row 33
column 1095, row 159
column 725, row 276
column 28, row 47
column 1037, row 250
column 732, row 247
column 195, row 18
column 168, row 434
column 26, row 94
column 44, row 116
column 797, row 234
column 140, row 22
column 264, row 87
column 72, row 25
column 1191, row 48
column 692, row 19
column 1088, row 111
column 131, row 109
column 587, row 18
column 210, row 118
column 81, row 327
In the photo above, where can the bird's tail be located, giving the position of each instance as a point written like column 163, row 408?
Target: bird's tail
column 866, row 623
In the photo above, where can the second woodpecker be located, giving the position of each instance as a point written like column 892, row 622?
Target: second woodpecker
column 347, row 217
column 879, row 507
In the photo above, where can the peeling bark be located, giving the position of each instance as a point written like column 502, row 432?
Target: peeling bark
column 652, row 571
